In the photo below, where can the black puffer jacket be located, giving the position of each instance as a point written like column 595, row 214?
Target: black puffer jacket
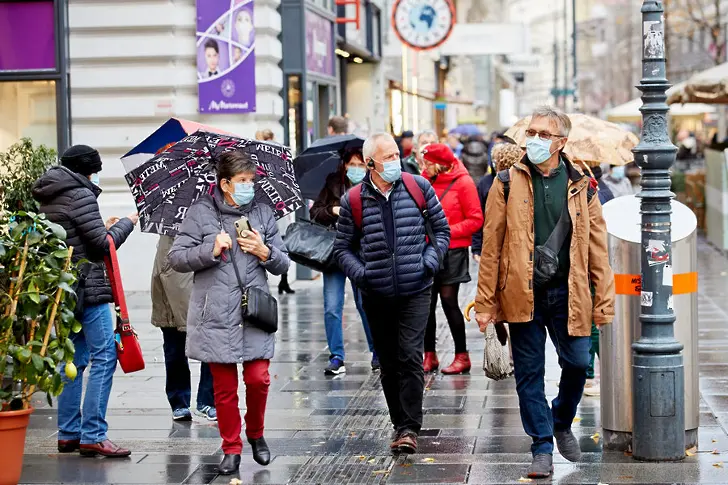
column 69, row 199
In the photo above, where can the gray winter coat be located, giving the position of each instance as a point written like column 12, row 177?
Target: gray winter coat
column 216, row 332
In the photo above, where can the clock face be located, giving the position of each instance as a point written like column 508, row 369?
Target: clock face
column 423, row 24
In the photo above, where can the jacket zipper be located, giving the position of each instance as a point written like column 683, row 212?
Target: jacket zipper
column 392, row 248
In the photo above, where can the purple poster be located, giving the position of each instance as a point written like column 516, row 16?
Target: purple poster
column 225, row 56
column 27, row 36
column 319, row 45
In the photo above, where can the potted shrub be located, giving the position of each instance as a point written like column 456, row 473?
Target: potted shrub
column 36, row 319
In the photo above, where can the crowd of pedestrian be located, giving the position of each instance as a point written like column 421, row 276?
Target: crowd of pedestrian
column 408, row 217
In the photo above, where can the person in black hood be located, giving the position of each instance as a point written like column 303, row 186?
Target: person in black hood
column 67, row 195
column 475, row 157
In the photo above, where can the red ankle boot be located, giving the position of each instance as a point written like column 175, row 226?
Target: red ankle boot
column 431, row 363
column 461, row 364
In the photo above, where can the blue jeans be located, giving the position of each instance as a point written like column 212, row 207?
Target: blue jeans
column 95, row 344
column 551, row 314
column 334, row 289
column 178, row 385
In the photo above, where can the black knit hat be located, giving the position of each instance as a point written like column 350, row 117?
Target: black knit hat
column 82, row 159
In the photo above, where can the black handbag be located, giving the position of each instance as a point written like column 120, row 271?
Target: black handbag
column 259, row 307
column 546, row 257
column 311, row 245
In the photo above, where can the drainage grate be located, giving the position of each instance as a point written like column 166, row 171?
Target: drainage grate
column 343, row 470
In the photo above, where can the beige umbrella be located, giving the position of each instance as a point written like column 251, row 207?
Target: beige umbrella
column 591, row 140
column 709, row 87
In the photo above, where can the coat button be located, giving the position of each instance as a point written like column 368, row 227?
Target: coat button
column 241, row 325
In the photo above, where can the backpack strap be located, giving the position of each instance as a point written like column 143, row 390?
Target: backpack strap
column 505, row 177
column 590, row 191
column 416, row 193
column 356, row 206
column 442, row 197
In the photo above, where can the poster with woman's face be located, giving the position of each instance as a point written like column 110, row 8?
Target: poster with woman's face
column 226, row 56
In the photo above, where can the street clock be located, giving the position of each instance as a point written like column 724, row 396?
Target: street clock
column 423, row 24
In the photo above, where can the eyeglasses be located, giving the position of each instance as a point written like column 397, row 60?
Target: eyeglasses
column 542, row 134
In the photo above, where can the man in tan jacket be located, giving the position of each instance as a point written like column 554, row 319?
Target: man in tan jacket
column 544, row 247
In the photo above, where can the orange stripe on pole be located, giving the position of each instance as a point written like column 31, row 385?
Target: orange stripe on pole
column 631, row 284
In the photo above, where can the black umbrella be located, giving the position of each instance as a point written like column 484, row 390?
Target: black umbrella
column 166, row 186
column 323, row 157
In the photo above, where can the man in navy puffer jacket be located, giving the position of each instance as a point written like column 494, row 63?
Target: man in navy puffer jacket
column 390, row 259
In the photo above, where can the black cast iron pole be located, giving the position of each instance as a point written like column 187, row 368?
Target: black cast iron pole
column 657, row 368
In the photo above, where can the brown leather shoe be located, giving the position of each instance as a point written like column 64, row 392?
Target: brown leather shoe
column 68, row 446
column 405, row 443
column 105, row 448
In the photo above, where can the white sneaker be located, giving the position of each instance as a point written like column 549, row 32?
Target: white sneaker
column 592, row 388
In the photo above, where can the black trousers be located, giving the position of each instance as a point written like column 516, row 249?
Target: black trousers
column 398, row 330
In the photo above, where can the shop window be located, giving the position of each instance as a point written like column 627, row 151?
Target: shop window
column 327, row 5
column 28, row 110
column 295, row 115
column 310, row 113
column 374, row 39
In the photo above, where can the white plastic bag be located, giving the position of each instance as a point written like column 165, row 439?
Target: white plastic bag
column 496, row 357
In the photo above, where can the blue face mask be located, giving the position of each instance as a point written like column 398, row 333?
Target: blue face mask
column 356, row 174
column 244, row 193
column 538, row 150
column 617, row 173
column 392, row 171
column 94, row 178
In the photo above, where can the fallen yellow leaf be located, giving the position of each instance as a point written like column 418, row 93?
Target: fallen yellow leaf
column 235, row 481
column 691, row 451
column 362, row 457
column 381, row 472
column 595, row 437
column 715, row 452
column 372, row 460
column 715, row 441
column 429, row 460
column 577, row 420
column 718, row 465
column 525, row 480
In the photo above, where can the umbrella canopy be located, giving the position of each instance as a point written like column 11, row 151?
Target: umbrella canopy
column 169, row 183
column 709, row 87
column 630, row 111
column 323, row 157
column 172, row 131
column 591, row 140
column 466, row 130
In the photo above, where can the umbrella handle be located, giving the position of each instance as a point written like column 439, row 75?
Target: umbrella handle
column 468, row 308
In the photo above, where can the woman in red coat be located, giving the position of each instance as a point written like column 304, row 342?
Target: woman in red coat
column 459, row 198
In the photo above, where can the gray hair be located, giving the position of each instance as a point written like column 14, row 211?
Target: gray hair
column 370, row 144
column 416, row 147
column 554, row 114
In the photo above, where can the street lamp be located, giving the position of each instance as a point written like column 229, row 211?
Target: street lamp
column 657, row 366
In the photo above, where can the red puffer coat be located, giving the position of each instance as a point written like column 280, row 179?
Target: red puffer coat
column 461, row 204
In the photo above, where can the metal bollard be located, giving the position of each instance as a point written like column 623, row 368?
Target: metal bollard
column 624, row 239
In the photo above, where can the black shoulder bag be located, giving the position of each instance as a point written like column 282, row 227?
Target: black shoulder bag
column 259, row 307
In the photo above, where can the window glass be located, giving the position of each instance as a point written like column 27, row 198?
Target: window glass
column 28, row 110
column 295, row 115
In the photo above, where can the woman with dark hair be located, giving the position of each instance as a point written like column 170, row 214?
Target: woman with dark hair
column 325, row 211
column 216, row 331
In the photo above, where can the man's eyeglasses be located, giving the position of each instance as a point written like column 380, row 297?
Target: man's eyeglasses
column 542, row 134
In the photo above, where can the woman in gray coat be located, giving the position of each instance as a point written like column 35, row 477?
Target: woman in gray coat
column 216, row 331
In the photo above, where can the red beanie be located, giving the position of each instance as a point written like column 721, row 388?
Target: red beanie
column 438, row 153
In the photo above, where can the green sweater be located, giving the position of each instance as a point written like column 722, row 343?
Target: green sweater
column 549, row 197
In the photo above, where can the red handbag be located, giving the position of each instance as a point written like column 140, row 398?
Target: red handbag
column 128, row 350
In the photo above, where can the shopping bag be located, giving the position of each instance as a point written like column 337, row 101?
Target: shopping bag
column 128, row 350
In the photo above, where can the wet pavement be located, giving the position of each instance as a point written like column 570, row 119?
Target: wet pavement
column 336, row 430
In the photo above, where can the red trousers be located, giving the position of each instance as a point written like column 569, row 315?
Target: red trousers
column 225, row 382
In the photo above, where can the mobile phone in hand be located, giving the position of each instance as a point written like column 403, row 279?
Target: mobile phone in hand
column 241, row 225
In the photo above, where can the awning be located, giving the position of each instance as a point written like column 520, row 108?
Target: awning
column 630, row 111
column 709, row 86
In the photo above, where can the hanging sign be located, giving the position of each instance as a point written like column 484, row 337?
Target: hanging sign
column 225, row 56
column 423, row 24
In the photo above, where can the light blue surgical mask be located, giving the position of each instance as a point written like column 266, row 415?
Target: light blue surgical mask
column 94, row 178
column 538, row 150
column 244, row 193
column 392, row 171
column 356, row 174
column 617, row 173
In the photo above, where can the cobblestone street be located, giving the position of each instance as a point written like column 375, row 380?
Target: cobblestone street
column 335, row 430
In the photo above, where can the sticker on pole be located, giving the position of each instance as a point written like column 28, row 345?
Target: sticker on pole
column 647, row 298
column 654, row 39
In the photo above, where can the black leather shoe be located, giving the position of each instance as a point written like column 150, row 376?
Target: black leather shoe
column 261, row 452
column 229, row 465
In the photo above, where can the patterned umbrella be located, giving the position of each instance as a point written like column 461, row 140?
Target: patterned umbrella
column 591, row 140
column 166, row 186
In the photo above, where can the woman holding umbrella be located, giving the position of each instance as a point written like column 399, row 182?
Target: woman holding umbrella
column 216, row 331
column 325, row 211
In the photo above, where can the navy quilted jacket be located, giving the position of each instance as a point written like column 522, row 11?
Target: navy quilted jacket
column 398, row 264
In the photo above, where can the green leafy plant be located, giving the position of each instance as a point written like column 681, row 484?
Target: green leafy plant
column 20, row 167
column 36, row 308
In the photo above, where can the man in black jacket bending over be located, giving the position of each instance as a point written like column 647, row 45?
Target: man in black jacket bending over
column 382, row 247
column 67, row 195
